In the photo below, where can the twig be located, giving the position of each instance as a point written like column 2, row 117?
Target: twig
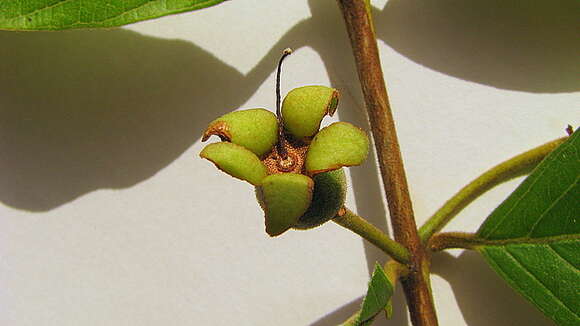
column 360, row 29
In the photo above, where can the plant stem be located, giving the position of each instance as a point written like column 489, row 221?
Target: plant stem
column 519, row 165
column 372, row 234
column 360, row 29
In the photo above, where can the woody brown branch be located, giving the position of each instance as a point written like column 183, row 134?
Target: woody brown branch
column 361, row 33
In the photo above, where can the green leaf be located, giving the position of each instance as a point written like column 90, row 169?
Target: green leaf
column 533, row 237
column 68, row 14
column 254, row 129
column 377, row 299
column 378, row 296
column 284, row 198
column 236, row 161
column 340, row 144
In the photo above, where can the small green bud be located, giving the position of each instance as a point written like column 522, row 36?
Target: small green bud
column 284, row 198
column 328, row 198
column 236, row 161
column 304, row 107
column 254, row 129
column 340, row 144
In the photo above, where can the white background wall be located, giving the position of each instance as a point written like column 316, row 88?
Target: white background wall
column 108, row 216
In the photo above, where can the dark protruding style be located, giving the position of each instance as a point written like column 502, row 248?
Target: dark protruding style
column 281, row 140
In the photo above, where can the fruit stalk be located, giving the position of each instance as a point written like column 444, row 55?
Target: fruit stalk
column 347, row 219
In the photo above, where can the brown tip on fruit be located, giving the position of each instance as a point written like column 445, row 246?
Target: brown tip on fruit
column 333, row 104
column 220, row 129
column 569, row 130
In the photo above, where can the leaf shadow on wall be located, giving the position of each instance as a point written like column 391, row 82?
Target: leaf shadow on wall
column 86, row 110
column 483, row 297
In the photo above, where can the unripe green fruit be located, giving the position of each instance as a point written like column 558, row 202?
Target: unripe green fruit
column 328, row 198
column 236, row 161
column 340, row 144
column 254, row 129
column 283, row 199
column 304, row 107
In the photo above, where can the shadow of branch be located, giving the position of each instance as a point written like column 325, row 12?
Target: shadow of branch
column 527, row 46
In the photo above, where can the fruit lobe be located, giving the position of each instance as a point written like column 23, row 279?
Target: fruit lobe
column 304, row 108
column 254, row 129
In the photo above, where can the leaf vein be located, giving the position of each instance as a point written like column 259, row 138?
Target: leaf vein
column 566, row 261
column 545, row 212
column 54, row 5
column 532, row 275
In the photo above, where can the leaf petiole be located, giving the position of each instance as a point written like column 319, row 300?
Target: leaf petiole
column 519, row 165
column 461, row 240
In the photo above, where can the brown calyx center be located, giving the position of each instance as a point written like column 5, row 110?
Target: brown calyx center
column 292, row 163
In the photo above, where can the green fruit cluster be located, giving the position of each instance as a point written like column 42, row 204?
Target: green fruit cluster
column 298, row 177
